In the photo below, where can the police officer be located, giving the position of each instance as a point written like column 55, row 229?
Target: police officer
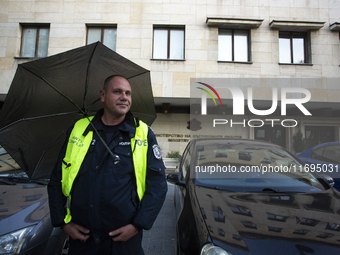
column 104, row 200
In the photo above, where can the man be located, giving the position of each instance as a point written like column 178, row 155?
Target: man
column 109, row 198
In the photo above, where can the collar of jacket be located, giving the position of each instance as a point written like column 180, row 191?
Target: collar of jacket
column 127, row 125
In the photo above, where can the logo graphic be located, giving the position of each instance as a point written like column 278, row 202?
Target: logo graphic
column 204, row 98
column 239, row 100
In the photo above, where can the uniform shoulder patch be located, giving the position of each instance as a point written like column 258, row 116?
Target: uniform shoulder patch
column 156, row 151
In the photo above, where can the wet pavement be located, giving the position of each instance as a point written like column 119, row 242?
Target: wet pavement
column 160, row 239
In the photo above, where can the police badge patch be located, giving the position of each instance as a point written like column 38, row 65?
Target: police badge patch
column 156, row 151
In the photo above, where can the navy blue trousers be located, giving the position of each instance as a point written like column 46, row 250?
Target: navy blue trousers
column 107, row 246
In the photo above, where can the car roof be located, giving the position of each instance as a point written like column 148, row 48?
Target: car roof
column 325, row 144
column 223, row 139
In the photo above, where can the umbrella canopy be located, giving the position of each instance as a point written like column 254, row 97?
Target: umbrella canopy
column 48, row 95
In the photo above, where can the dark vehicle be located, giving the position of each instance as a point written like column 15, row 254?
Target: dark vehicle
column 25, row 225
column 326, row 157
column 252, row 197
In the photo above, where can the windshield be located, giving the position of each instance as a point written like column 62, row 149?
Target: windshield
column 10, row 171
column 251, row 166
column 7, row 163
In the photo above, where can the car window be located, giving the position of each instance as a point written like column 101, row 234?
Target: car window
column 186, row 162
column 251, row 166
column 332, row 154
column 329, row 154
column 317, row 154
column 9, row 168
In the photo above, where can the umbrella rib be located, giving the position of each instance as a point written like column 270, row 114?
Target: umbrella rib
column 87, row 75
column 38, row 117
column 55, row 88
column 138, row 74
column 43, row 154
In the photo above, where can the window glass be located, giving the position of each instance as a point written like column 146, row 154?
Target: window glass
column 110, row 36
column 319, row 134
column 241, row 45
column 176, row 44
column 35, row 41
column 317, row 154
column 94, row 35
column 233, row 45
column 332, row 154
column 225, row 45
column 250, row 166
column 168, row 43
column 284, row 50
column 160, row 44
column 43, row 42
column 292, row 47
column 105, row 35
column 28, row 42
column 298, row 50
column 186, row 163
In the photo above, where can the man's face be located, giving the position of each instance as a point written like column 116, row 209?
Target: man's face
column 117, row 97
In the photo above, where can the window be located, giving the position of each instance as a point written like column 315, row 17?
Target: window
column 249, row 224
column 294, row 48
column 273, row 229
column 233, row 45
column 328, row 154
column 34, row 43
column 276, row 217
column 185, row 167
column 309, row 222
column 319, row 134
column 240, row 210
column 168, row 43
column 107, row 35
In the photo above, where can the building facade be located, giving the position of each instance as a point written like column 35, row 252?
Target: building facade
column 179, row 41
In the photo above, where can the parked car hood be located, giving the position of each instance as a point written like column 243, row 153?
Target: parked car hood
column 270, row 223
column 22, row 205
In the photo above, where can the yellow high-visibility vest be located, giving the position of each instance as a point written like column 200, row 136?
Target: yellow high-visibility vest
column 78, row 146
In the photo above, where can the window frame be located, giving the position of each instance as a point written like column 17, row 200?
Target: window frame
column 102, row 28
column 249, row 60
column 306, row 43
column 169, row 28
column 36, row 26
column 186, row 157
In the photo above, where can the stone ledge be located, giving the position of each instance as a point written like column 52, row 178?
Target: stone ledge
column 335, row 26
column 299, row 26
column 233, row 23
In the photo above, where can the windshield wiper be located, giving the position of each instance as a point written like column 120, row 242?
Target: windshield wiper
column 270, row 190
column 23, row 179
column 7, row 182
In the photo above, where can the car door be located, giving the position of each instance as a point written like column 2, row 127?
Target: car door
column 184, row 169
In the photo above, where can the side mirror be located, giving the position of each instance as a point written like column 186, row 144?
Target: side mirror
column 328, row 179
column 175, row 178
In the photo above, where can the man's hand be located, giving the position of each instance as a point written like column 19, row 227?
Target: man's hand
column 124, row 233
column 76, row 231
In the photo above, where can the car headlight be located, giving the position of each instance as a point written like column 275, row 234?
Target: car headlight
column 11, row 243
column 210, row 249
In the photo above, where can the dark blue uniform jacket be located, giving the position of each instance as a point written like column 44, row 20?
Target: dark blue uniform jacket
column 104, row 194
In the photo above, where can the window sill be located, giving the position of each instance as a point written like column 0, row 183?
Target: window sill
column 296, row 64
column 161, row 59
column 26, row 58
column 235, row 62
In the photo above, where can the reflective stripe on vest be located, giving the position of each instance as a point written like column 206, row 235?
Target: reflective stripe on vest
column 78, row 146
